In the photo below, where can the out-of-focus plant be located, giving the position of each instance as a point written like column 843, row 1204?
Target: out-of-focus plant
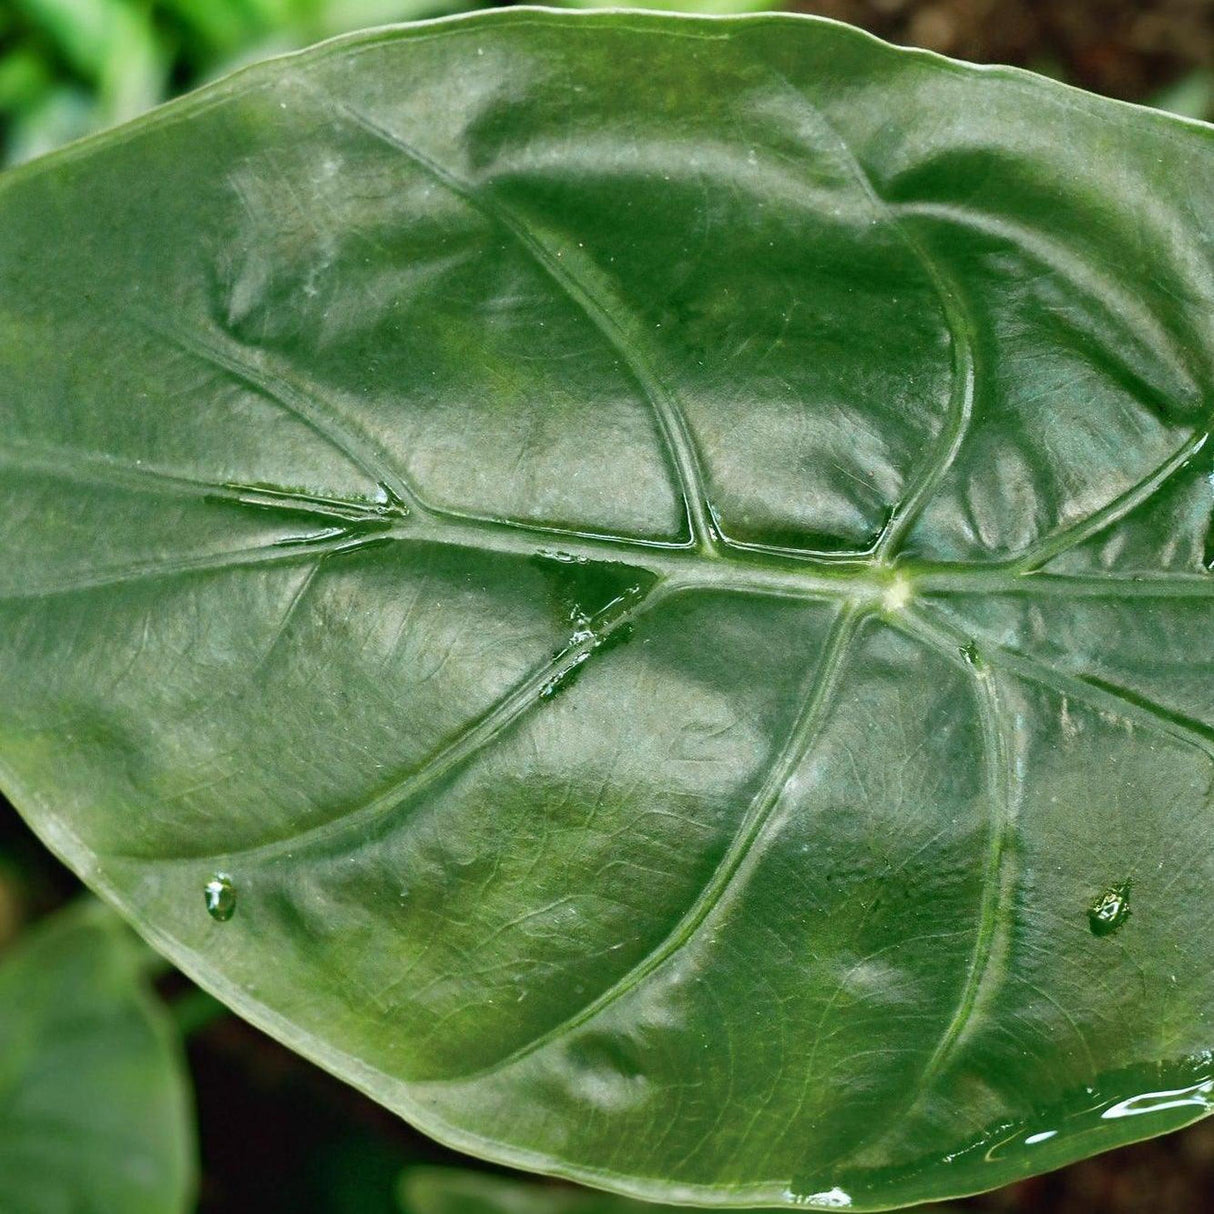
column 1191, row 97
column 72, row 67
column 95, row 1108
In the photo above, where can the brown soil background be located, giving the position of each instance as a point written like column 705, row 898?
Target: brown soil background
column 1114, row 47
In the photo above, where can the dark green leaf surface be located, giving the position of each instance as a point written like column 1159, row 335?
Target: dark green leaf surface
column 665, row 563
column 94, row 1100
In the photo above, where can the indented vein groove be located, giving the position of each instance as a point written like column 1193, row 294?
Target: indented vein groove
column 575, row 284
column 988, row 958
column 331, row 541
column 68, row 463
column 995, row 910
column 961, row 328
column 1128, row 314
column 294, row 604
column 472, row 740
column 998, row 579
column 821, row 685
column 315, row 413
column 960, row 417
column 1107, row 697
column 349, row 523
column 1112, row 512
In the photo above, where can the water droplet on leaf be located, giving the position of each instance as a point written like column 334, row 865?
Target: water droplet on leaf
column 1041, row 1136
column 220, row 896
column 564, row 678
column 828, row 1199
column 1110, row 909
column 1195, row 1096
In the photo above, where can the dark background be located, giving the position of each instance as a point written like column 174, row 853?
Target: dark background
column 277, row 1134
column 1117, row 47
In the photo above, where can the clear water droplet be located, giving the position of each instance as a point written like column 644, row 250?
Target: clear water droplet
column 1195, row 1096
column 1041, row 1136
column 1118, row 1107
column 1110, row 909
column 564, row 678
column 828, row 1199
column 969, row 651
column 220, row 896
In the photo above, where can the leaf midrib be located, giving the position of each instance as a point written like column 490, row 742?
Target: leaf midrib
column 748, row 569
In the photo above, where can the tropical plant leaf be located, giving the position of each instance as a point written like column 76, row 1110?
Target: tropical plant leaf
column 94, row 1099
column 653, row 575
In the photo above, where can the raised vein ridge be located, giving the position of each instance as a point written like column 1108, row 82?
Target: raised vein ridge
column 672, row 424
column 988, row 959
column 820, row 691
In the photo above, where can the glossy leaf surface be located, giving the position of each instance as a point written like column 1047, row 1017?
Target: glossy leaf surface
column 656, row 572
column 94, row 1100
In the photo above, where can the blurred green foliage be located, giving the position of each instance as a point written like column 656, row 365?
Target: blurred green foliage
column 95, row 1108
column 71, row 67
column 1191, row 97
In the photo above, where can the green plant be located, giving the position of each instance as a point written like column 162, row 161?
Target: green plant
column 94, row 1104
column 653, row 574
column 69, row 68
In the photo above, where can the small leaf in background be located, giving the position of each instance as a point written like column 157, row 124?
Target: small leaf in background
column 217, row 29
column 60, row 115
column 356, row 1174
column 24, row 78
column 110, row 43
column 1190, row 97
column 95, row 1110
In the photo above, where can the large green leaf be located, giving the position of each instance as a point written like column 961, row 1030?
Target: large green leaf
column 658, row 568
column 94, row 1101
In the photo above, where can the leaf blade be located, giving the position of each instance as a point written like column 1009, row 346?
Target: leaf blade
column 554, row 432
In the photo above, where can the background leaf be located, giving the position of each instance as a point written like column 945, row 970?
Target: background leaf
column 1190, row 97
column 94, row 1101
column 665, row 596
